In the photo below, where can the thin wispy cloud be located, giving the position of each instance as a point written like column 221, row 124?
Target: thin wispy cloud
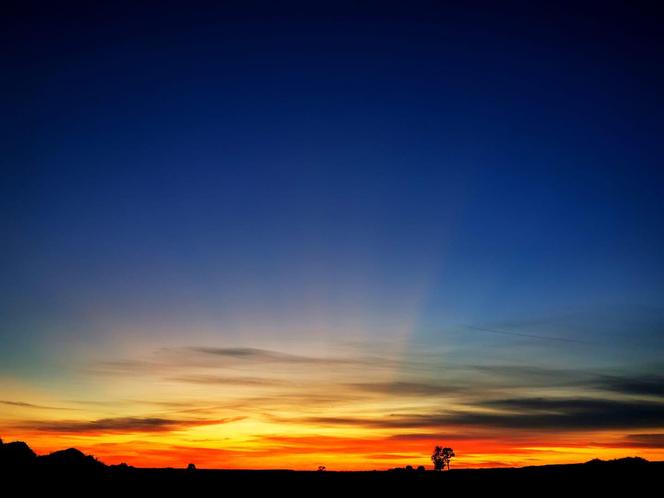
column 647, row 384
column 169, row 360
column 526, row 335
column 23, row 404
column 404, row 388
column 119, row 425
column 519, row 414
column 218, row 380
column 645, row 440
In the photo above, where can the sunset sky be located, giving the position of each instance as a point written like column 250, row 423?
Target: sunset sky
column 249, row 235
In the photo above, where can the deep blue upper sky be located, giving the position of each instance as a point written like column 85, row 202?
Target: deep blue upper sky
column 282, row 169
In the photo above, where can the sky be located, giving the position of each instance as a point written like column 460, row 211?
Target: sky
column 259, row 235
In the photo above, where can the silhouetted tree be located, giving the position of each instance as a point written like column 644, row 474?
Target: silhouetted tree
column 321, row 468
column 441, row 457
column 191, row 466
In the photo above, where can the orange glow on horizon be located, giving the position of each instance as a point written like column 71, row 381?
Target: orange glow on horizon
column 244, row 408
column 336, row 453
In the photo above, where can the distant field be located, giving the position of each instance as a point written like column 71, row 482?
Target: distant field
column 608, row 477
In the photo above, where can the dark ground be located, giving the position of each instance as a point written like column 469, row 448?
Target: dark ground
column 70, row 472
column 644, row 479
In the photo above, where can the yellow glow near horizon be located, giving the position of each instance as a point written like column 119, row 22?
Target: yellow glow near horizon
column 252, row 408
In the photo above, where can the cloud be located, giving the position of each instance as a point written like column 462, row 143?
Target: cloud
column 526, row 335
column 265, row 356
column 521, row 413
column 426, row 436
column 625, row 383
column 119, row 425
column 403, row 388
column 225, row 380
column 645, row 440
column 650, row 441
column 648, row 385
column 573, row 414
column 22, row 404
column 315, row 390
column 173, row 361
column 532, row 375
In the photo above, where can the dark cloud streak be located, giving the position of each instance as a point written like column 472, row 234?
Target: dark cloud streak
column 22, row 404
column 119, row 425
column 526, row 413
column 526, row 335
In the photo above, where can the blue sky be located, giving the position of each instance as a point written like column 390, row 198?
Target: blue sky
column 497, row 168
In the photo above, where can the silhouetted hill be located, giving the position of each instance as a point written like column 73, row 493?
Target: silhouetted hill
column 70, row 457
column 618, row 461
column 19, row 455
column 70, row 470
column 16, row 453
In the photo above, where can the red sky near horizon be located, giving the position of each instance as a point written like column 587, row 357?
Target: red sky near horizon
column 261, row 408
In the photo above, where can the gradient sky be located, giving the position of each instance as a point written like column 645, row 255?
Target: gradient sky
column 260, row 236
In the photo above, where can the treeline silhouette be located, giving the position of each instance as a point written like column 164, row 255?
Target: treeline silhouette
column 71, row 470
